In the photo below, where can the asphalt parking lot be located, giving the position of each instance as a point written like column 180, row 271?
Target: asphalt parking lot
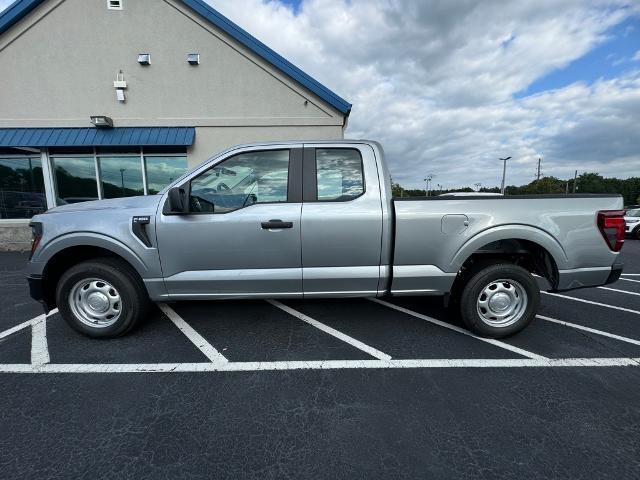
column 324, row 389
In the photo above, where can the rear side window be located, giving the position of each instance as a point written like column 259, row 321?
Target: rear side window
column 339, row 174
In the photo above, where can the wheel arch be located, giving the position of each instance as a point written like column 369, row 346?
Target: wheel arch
column 532, row 248
column 65, row 252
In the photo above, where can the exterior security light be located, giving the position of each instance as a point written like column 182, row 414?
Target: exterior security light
column 144, row 58
column 100, row 121
column 193, row 59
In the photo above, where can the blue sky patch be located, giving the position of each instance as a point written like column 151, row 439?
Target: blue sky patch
column 608, row 60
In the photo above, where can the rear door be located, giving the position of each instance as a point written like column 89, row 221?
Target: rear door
column 241, row 237
column 341, row 221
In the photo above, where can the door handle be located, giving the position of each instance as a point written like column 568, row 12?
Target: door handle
column 276, row 224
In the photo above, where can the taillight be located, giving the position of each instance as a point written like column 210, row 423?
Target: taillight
column 611, row 224
column 36, row 235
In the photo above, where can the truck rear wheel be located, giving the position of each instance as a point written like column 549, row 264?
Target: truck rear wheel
column 499, row 300
column 102, row 298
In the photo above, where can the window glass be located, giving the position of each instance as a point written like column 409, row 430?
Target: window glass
column 161, row 171
column 339, row 174
column 121, row 176
column 75, row 179
column 240, row 181
column 21, row 187
column 633, row 213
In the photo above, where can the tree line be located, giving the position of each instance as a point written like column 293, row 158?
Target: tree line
column 629, row 188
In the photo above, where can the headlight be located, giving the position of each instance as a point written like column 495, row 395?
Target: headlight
column 635, row 220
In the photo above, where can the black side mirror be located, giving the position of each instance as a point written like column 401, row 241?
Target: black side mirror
column 176, row 202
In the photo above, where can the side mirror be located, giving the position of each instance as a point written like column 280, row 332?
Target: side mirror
column 176, row 202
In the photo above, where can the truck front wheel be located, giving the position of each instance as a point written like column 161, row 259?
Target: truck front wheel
column 499, row 300
column 101, row 298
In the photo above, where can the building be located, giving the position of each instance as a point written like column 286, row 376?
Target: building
column 109, row 98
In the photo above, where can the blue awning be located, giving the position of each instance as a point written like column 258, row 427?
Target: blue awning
column 97, row 137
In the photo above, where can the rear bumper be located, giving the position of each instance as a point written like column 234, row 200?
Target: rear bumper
column 588, row 277
column 616, row 271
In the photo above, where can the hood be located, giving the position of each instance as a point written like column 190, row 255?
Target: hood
column 140, row 202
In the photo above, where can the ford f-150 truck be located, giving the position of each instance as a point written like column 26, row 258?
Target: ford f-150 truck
column 317, row 219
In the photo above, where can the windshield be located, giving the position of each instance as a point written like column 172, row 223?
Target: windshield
column 633, row 213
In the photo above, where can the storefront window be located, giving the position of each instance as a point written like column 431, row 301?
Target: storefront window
column 162, row 170
column 21, row 187
column 121, row 176
column 75, row 179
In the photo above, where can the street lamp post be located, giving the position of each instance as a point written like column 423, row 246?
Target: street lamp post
column 504, row 173
column 428, row 181
column 122, row 179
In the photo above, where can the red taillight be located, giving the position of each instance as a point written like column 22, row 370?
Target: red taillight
column 611, row 224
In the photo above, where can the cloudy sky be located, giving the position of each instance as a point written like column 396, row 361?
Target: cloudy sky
column 449, row 86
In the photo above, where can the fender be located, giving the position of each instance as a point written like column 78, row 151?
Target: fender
column 506, row 232
column 92, row 239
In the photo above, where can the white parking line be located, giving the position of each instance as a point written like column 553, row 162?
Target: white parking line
column 591, row 330
column 440, row 323
column 332, row 331
column 320, row 365
column 198, row 340
column 39, row 348
column 619, row 291
column 629, row 280
column 592, row 303
column 24, row 325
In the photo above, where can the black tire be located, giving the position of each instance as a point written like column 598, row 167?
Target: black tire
column 127, row 285
column 487, row 276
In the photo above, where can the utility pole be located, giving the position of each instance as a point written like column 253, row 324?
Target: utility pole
column 575, row 180
column 477, row 185
column 504, row 173
column 539, row 164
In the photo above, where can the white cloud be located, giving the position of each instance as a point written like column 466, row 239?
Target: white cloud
column 434, row 81
column 636, row 57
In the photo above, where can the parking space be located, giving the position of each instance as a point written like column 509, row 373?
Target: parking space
column 588, row 327
column 334, row 362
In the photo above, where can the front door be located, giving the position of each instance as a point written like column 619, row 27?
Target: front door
column 341, row 221
column 241, row 237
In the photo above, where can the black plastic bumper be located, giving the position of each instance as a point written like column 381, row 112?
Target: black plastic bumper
column 36, row 290
column 616, row 271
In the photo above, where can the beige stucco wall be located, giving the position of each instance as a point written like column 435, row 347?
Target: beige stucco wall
column 211, row 140
column 58, row 66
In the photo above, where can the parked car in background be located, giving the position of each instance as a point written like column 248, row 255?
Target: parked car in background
column 632, row 220
column 317, row 220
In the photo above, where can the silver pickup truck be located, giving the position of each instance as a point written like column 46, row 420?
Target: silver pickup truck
column 311, row 220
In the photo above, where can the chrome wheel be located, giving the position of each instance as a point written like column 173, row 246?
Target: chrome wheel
column 502, row 303
column 95, row 302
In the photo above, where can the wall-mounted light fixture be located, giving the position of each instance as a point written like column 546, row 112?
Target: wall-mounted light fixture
column 100, row 121
column 120, row 85
column 193, row 58
column 144, row 58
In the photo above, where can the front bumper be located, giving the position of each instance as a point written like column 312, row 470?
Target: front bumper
column 36, row 290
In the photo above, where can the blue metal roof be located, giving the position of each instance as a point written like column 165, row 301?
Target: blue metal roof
column 96, row 137
column 20, row 8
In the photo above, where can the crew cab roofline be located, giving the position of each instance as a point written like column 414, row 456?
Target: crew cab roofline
column 269, row 145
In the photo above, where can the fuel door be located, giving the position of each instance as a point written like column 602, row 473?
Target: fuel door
column 454, row 224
